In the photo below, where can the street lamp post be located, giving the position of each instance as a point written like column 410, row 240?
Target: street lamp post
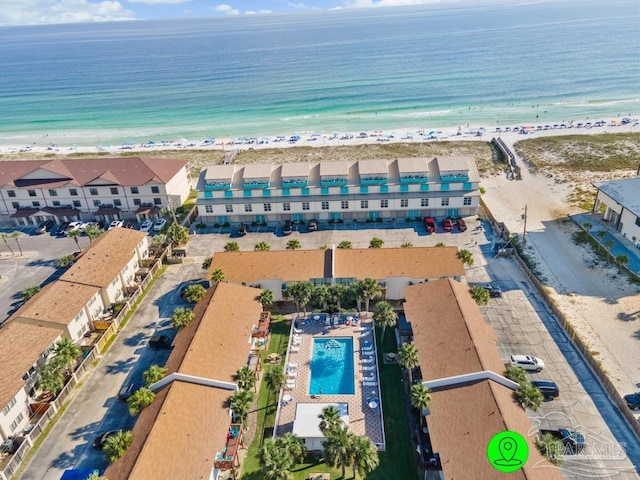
column 524, row 232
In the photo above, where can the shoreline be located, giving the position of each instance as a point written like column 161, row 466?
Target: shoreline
column 511, row 133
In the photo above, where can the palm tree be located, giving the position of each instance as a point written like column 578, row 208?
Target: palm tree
column 551, row 448
column 300, row 292
column 480, row 295
column 329, row 420
column 420, row 398
column 621, row 260
column 29, row 292
column 516, row 374
column 292, row 444
column 116, row 445
column 65, row 260
column 266, row 299
column 338, row 292
column 218, row 276
column 240, row 403
column 466, row 257
column 321, row 294
column 587, row 226
column 262, row 247
column 608, row 244
column 96, row 476
column 194, row 293
column 6, row 236
column 406, row 245
column 245, row 378
column 16, row 235
column 178, row 234
column 384, row 317
column 355, row 292
column 153, row 374
column 67, row 352
column 275, row 462
column 440, row 244
column 601, row 234
column 365, row 456
column 408, row 358
column 139, row 400
column 51, row 378
column 338, row 451
column 75, row 234
column 376, row 243
column 370, row 289
column 294, row 244
column 181, row 317
column 206, row 263
column 346, row 244
column 232, row 247
column 528, row 396
column 274, row 379
column 93, row 232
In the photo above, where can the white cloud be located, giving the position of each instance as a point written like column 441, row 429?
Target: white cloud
column 253, row 12
column 386, row 3
column 36, row 12
column 298, row 6
column 227, row 10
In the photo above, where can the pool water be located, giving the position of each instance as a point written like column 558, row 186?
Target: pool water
column 332, row 369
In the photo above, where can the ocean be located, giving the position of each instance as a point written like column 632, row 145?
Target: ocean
column 441, row 65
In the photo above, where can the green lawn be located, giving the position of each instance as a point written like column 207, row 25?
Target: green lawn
column 397, row 462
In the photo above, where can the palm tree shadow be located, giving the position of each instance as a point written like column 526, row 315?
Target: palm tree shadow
column 627, row 317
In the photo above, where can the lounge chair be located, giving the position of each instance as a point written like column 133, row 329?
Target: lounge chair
column 365, row 334
column 294, row 349
column 292, row 374
column 367, row 360
column 367, row 349
column 293, row 365
column 368, row 368
column 297, row 330
column 369, row 384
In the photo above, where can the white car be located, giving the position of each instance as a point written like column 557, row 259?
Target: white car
column 159, row 225
column 146, row 226
column 116, row 224
column 527, row 362
column 74, row 226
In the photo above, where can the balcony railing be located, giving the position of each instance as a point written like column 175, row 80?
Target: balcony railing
column 414, row 179
column 455, row 177
column 217, row 186
column 373, row 180
column 333, row 182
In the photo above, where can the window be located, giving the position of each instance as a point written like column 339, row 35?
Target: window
column 15, row 205
column 267, row 207
column 424, row 202
column 208, row 208
column 36, row 204
column 134, row 190
column 248, row 207
column 96, row 203
column 325, row 205
column 344, row 204
column 117, row 202
column 93, row 191
column 157, row 201
column 137, row 202
column 32, row 193
column 286, row 206
column 364, row 204
column 114, row 190
column 73, row 192
column 305, row 205
column 56, row 203
column 16, row 422
column 467, row 201
column 228, row 208
column 155, row 189
column 384, row 203
column 404, row 203
column 76, row 203
column 11, row 193
column 53, row 193
column 7, row 409
column 445, row 201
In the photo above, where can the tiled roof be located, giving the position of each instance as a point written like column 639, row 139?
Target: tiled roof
column 329, row 169
column 257, row 170
column 219, row 172
column 412, row 165
column 120, row 171
column 21, row 346
column 380, row 263
column 295, row 169
column 372, row 167
column 58, row 302
column 447, row 164
column 105, row 257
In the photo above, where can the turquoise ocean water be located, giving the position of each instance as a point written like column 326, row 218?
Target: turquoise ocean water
column 351, row 70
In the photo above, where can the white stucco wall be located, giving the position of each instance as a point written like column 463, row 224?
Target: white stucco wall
column 18, row 413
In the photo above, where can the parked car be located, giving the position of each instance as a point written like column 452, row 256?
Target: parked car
column 116, row 224
column 493, row 289
column 633, row 400
column 160, row 342
column 548, row 388
column 313, row 225
column 527, row 362
column 11, row 444
column 45, row 227
column 127, row 390
column 571, row 439
column 159, row 225
column 100, row 441
column 146, row 226
column 84, row 226
column 430, row 224
column 288, row 228
column 462, row 225
column 61, row 229
column 73, row 226
column 447, row 224
column 242, row 229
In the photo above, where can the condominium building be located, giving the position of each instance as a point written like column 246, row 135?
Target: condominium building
column 33, row 191
column 365, row 190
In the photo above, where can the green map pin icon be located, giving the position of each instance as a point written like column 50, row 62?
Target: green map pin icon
column 507, row 451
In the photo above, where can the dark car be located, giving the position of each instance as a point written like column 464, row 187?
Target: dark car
column 127, row 390
column 430, row 224
column 11, row 445
column 61, row 230
column 313, row 225
column 462, row 225
column 160, row 342
column 548, row 388
column 633, row 400
column 242, row 229
column 447, row 224
column 100, row 441
column 493, row 289
column 288, row 228
column 45, row 227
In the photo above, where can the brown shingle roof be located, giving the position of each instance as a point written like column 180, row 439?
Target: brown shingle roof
column 21, row 346
column 58, row 302
column 105, row 257
column 379, row 263
column 286, row 265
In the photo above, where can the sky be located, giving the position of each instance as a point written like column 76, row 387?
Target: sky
column 40, row 12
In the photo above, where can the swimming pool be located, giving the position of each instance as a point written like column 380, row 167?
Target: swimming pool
column 332, row 369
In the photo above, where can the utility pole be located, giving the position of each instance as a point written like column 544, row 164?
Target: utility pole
column 524, row 233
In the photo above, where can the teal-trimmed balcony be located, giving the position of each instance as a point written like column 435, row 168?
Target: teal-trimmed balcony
column 414, row 179
column 295, row 183
column 454, row 178
column 256, row 185
column 217, row 186
column 373, row 180
column 333, row 182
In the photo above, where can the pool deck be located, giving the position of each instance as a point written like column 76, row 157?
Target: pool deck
column 363, row 420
